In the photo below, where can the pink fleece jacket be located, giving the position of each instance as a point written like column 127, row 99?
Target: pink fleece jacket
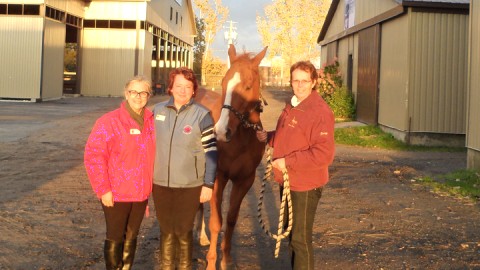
column 119, row 156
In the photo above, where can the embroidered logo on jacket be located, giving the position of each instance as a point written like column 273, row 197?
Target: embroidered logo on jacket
column 187, row 129
column 293, row 123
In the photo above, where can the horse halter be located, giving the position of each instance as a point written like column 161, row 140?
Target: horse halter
column 243, row 117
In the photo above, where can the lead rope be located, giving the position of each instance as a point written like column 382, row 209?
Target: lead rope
column 286, row 198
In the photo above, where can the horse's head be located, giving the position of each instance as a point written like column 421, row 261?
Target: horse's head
column 240, row 94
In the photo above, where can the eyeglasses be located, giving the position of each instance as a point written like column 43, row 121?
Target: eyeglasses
column 302, row 82
column 134, row 94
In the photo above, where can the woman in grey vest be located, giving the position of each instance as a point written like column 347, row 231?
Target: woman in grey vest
column 185, row 165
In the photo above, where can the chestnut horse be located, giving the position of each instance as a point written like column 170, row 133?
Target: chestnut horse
column 237, row 117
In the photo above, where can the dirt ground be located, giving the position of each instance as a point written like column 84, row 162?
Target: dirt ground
column 368, row 218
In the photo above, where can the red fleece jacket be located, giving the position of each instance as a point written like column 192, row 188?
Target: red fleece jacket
column 305, row 138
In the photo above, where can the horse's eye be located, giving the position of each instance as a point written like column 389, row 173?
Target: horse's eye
column 248, row 87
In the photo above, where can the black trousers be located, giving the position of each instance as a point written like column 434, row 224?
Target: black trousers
column 304, row 207
column 124, row 219
column 176, row 208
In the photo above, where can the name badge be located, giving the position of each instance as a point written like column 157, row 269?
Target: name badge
column 160, row 117
column 134, row 131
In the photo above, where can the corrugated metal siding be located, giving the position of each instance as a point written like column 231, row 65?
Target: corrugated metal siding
column 21, row 56
column 438, row 72
column 338, row 21
column 54, row 44
column 393, row 90
column 146, row 61
column 116, row 10
column 342, row 57
column 108, row 61
column 365, row 10
column 473, row 135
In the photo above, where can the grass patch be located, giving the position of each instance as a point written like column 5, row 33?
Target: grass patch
column 374, row 137
column 461, row 183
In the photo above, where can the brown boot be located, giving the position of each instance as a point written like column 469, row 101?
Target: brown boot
column 112, row 252
column 167, row 250
column 186, row 248
column 129, row 249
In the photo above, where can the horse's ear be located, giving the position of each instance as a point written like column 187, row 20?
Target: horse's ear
column 258, row 58
column 232, row 53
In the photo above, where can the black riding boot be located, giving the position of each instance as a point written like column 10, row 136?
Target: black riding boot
column 167, row 250
column 129, row 249
column 112, row 252
column 186, row 248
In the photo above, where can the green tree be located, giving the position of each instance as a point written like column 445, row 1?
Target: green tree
column 214, row 16
column 199, row 46
column 290, row 29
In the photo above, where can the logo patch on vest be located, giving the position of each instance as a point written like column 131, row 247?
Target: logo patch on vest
column 187, row 129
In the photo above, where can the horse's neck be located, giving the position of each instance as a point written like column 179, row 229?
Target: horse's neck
column 211, row 100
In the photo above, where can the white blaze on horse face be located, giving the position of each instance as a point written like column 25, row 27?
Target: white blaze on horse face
column 222, row 124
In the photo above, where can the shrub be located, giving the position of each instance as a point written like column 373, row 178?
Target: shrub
column 337, row 96
column 341, row 102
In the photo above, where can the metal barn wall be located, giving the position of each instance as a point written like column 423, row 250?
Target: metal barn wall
column 393, row 85
column 21, row 56
column 108, row 60
column 111, row 56
column 473, row 113
column 75, row 7
column 115, row 10
column 367, row 9
column 184, row 28
column 338, row 21
column 438, row 72
column 364, row 10
column 145, row 52
column 53, row 53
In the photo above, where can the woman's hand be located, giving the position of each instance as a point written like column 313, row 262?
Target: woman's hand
column 205, row 194
column 262, row 135
column 279, row 164
column 107, row 199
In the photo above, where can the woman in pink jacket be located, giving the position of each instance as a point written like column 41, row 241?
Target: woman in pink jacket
column 119, row 157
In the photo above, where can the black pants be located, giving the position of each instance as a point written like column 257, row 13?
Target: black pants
column 304, row 207
column 124, row 219
column 176, row 208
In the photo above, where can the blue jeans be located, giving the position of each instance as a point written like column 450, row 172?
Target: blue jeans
column 304, row 207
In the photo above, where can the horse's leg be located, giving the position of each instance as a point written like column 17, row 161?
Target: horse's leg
column 215, row 223
column 199, row 227
column 238, row 192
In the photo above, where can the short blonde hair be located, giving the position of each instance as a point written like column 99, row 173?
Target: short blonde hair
column 141, row 79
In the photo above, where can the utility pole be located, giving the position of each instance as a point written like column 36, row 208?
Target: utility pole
column 230, row 37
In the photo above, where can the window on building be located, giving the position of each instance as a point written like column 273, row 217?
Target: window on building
column 176, row 17
column 31, row 9
column 15, row 9
column 171, row 13
column 3, row 8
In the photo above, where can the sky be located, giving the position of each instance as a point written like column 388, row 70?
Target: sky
column 243, row 13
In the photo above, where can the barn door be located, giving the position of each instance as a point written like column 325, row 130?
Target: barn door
column 368, row 75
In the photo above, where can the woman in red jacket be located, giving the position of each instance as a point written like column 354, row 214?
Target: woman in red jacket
column 119, row 157
column 303, row 145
